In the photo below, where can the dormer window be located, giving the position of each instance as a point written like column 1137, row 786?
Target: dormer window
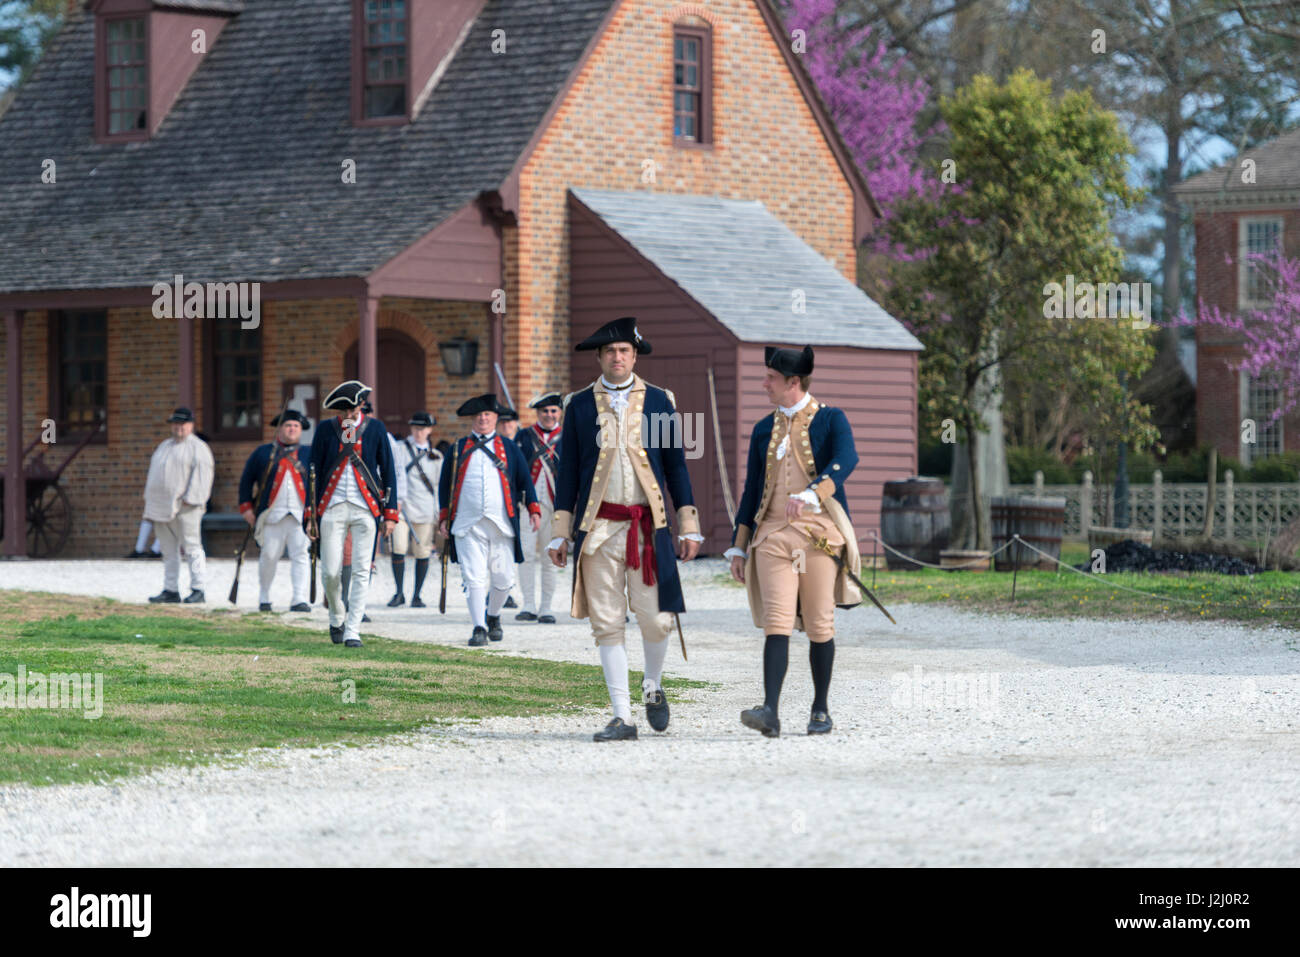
column 126, row 81
column 384, row 59
column 692, row 85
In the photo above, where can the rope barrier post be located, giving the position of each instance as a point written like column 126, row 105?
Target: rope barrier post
column 1015, row 569
column 875, row 537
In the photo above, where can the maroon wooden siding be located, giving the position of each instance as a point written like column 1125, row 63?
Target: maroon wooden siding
column 171, row 56
column 460, row 259
column 609, row 279
column 876, row 388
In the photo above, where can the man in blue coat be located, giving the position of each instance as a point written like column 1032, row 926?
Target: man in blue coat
column 479, row 518
column 356, row 488
column 275, row 510
column 799, row 458
column 619, row 454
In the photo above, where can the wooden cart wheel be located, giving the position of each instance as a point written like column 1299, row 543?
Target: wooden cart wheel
column 49, row 522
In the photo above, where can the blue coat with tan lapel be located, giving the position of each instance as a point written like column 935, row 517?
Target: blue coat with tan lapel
column 659, row 469
column 827, row 452
column 516, row 485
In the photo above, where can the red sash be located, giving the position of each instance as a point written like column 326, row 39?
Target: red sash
column 637, row 514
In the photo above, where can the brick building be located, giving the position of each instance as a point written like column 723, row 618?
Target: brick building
column 1250, row 205
column 402, row 179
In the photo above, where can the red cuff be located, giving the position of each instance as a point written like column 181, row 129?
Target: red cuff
column 245, row 506
column 442, row 514
column 391, row 515
column 534, row 509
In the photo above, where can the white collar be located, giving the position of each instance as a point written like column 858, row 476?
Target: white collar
column 485, row 438
column 791, row 410
column 617, row 388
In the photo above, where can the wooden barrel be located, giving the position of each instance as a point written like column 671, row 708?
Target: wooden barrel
column 1038, row 521
column 914, row 520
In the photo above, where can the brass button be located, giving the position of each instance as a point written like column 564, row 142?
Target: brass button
column 836, row 466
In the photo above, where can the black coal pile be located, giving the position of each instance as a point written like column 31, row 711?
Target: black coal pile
column 1130, row 556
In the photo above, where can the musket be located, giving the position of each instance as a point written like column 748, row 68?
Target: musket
column 823, row 545
column 314, row 527
column 680, row 637
column 446, row 545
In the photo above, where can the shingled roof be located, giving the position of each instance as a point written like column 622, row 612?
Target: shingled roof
column 242, row 181
column 741, row 263
column 1277, row 170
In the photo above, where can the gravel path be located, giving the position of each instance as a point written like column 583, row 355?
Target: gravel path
column 960, row 739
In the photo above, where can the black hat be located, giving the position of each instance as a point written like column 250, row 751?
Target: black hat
column 290, row 415
column 545, row 399
column 789, row 361
column 487, row 402
column 367, row 408
column 181, row 414
column 347, row 395
column 421, row 418
column 509, row 415
column 620, row 330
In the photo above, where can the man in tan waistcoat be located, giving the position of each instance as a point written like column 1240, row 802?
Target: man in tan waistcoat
column 610, row 506
column 799, row 459
column 175, row 497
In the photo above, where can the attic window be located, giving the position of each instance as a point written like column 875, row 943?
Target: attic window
column 692, row 85
column 384, row 56
column 126, row 83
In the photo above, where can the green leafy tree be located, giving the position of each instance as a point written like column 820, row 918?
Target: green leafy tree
column 26, row 26
column 1038, row 180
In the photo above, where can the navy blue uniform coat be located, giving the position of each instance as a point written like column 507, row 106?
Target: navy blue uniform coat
column 521, row 487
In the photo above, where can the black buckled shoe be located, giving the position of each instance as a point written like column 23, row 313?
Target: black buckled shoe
column 616, row 730
column 546, row 619
column 479, row 638
column 494, row 627
column 526, row 616
column 336, row 634
column 352, row 643
column 417, row 602
column 510, row 602
column 301, row 606
column 762, row 719
column 656, row 709
column 397, row 601
column 365, row 618
column 166, row 597
column 820, row 723
column 195, row 598
column 264, row 606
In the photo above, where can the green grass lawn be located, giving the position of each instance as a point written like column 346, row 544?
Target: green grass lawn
column 1197, row 597
column 182, row 686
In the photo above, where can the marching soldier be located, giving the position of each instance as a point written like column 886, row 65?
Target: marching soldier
column 356, row 488
column 610, row 506
column 799, row 459
column 176, row 492
column 419, row 469
column 540, row 444
column 480, row 511
column 275, row 512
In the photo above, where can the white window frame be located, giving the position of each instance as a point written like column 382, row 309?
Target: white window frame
column 1251, row 453
column 1243, row 261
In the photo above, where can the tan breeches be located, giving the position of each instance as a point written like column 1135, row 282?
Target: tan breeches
column 778, row 561
column 612, row 588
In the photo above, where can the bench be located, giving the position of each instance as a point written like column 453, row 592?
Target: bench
column 221, row 522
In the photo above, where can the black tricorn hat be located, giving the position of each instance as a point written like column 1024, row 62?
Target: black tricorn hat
column 290, row 415
column 487, row 402
column 421, row 418
column 789, row 361
column 181, row 414
column 347, row 395
column 545, row 399
column 509, row 415
column 620, row 330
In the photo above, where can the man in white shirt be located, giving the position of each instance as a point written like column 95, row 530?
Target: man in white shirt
column 175, row 497
column 419, row 470
column 480, row 514
column 540, row 443
column 275, row 509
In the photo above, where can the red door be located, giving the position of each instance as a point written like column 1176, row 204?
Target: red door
column 400, row 389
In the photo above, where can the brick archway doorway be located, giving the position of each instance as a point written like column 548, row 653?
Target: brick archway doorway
column 399, row 390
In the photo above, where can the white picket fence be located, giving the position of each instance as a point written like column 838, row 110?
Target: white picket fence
column 1244, row 512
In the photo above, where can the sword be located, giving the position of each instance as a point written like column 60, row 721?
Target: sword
column 680, row 636
column 821, row 543
column 504, row 388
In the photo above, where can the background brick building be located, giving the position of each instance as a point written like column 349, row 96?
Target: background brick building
column 463, row 154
